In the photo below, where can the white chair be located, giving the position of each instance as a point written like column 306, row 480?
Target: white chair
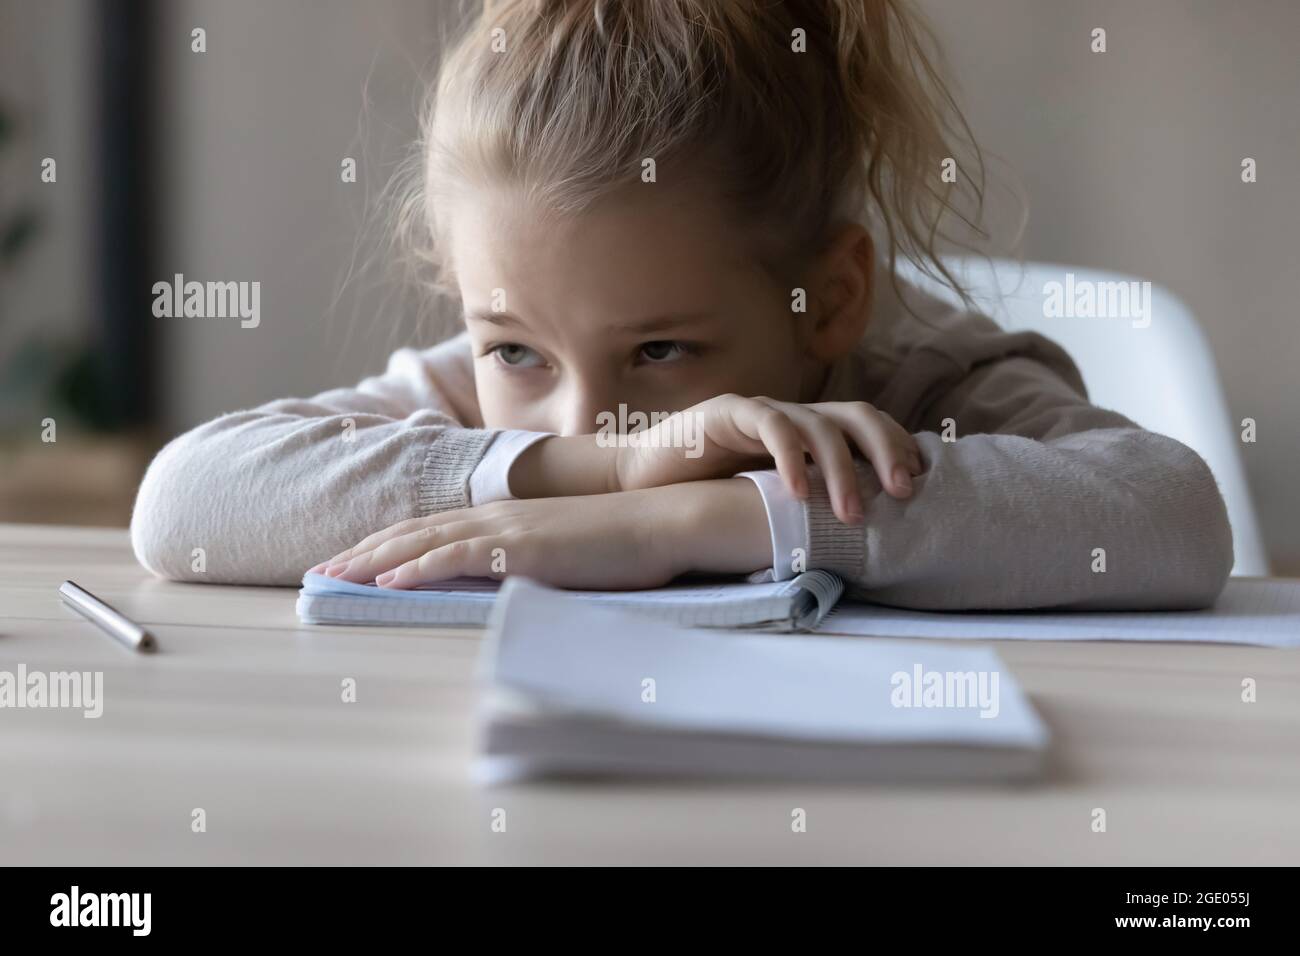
column 1162, row 375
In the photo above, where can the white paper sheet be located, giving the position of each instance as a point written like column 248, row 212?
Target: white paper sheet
column 1263, row 611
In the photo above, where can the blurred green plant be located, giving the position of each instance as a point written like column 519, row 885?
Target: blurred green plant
column 44, row 375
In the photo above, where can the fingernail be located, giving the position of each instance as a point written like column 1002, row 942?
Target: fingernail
column 901, row 478
column 385, row 577
column 319, row 568
column 334, row 570
column 853, row 509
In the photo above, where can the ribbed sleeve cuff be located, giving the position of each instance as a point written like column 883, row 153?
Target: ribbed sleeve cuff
column 451, row 460
column 833, row 545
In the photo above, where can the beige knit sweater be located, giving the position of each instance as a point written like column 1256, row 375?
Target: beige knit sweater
column 1009, row 514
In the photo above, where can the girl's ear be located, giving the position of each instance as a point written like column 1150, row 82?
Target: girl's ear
column 841, row 287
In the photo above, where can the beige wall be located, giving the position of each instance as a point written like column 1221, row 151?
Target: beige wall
column 257, row 128
column 1130, row 160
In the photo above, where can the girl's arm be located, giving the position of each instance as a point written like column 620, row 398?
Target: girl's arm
column 1109, row 516
column 258, row 496
column 623, row 539
column 1067, row 505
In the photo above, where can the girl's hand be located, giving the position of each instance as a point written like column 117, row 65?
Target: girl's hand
column 634, row 539
column 730, row 434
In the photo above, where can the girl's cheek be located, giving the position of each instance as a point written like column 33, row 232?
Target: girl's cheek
column 504, row 406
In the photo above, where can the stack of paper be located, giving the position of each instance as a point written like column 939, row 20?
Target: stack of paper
column 575, row 688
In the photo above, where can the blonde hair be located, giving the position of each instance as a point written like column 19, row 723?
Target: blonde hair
column 565, row 99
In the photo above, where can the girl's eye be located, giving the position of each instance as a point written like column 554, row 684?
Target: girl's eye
column 517, row 356
column 657, row 352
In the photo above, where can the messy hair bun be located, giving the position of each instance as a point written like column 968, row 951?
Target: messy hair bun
column 803, row 112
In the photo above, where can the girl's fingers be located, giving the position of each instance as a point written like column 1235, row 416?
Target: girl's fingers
column 465, row 557
column 397, row 551
column 373, row 541
column 882, row 441
column 826, row 443
column 784, row 443
column 392, row 532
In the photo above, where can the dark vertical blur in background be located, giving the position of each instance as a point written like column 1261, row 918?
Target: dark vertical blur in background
column 127, row 108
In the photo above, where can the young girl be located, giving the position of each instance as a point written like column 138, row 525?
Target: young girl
column 695, row 206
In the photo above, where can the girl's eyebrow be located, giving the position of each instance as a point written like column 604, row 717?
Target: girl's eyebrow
column 659, row 323
column 496, row 318
column 655, row 323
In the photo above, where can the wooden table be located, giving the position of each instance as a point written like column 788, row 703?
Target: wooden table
column 241, row 714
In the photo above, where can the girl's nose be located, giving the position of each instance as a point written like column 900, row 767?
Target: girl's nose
column 584, row 414
column 579, row 422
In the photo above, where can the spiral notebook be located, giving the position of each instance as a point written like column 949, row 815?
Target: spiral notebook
column 798, row 604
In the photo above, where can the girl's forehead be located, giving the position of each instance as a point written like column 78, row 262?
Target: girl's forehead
column 648, row 238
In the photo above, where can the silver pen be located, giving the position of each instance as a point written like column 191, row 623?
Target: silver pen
column 110, row 621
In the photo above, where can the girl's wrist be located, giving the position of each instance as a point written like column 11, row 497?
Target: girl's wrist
column 562, row 466
column 717, row 526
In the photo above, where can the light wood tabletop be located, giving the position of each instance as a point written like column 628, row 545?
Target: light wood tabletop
column 241, row 716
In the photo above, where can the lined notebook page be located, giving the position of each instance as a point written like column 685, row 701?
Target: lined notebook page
column 1249, row 611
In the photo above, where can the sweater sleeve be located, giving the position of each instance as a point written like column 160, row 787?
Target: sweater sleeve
column 259, row 496
column 1038, row 500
